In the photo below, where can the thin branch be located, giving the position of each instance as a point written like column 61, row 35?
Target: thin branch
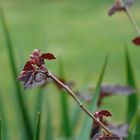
column 130, row 17
column 70, row 92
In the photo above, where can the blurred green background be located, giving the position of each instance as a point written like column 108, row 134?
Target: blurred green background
column 80, row 33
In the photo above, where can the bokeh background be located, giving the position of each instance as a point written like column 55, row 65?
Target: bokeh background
column 80, row 34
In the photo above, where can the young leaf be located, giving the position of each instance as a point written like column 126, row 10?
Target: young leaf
column 102, row 113
column 132, row 103
column 66, row 128
column 136, row 41
column 37, row 132
column 48, row 56
column 24, row 113
column 86, row 126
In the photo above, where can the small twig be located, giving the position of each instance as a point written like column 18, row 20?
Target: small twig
column 132, row 21
column 70, row 92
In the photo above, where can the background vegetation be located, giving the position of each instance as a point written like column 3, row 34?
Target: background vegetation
column 79, row 33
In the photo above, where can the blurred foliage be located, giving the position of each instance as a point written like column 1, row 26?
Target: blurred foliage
column 81, row 33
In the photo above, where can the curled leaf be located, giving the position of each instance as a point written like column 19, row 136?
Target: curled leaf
column 102, row 113
column 136, row 41
column 28, row 67
column 48, row 56
column 32, row 79
column 35, row 72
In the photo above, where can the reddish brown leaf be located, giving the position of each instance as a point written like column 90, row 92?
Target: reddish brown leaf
column 136, row 41
column 117, row 7
column 102, row 113
column 28, row 66
column 48, row 56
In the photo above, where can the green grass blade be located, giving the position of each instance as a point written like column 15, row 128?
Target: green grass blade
column 39, row 99
column 0, row 130
column 4, row 120
column 87, row 123
column 134, row 128
column 20, row 101
column 49, row 128
column 77, row 111
column 136, row 135
column 37, row 133
column 65, row 121
column 75, row 117
column 132, row 103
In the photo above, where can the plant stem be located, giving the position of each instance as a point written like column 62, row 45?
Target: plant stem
column 71, row 93
column 132, row 21
column 130, row 17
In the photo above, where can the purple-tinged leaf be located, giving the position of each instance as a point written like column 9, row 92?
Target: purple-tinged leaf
column 32, row 79
column 121, row 130
column 106, row 137
column 129, row 2
column 117, row 7
column 48, row 56
column 28, row 67
column 136, row 41
column 105, row 91
column 102, row 113
column 117, row 90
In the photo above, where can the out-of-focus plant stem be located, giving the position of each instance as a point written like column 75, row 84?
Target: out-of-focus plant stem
column 70, row 92
column 131, row 19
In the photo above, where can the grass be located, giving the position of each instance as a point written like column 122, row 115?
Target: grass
column 80, row 33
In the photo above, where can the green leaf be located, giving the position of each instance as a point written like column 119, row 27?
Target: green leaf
column 75, row 116
column 65, row 118
column 5, row 131
column 39, row 100
column 23, row 109
column 76, row 110
column 37, row 133
column 0, row 130
column 87, row 123
column 135, row 128
column 132, row 103
column 136, row 135
column 49, row 129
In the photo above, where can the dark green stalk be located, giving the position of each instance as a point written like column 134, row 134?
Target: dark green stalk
column 66, row 127
column 37, row 133
column 132, row 102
